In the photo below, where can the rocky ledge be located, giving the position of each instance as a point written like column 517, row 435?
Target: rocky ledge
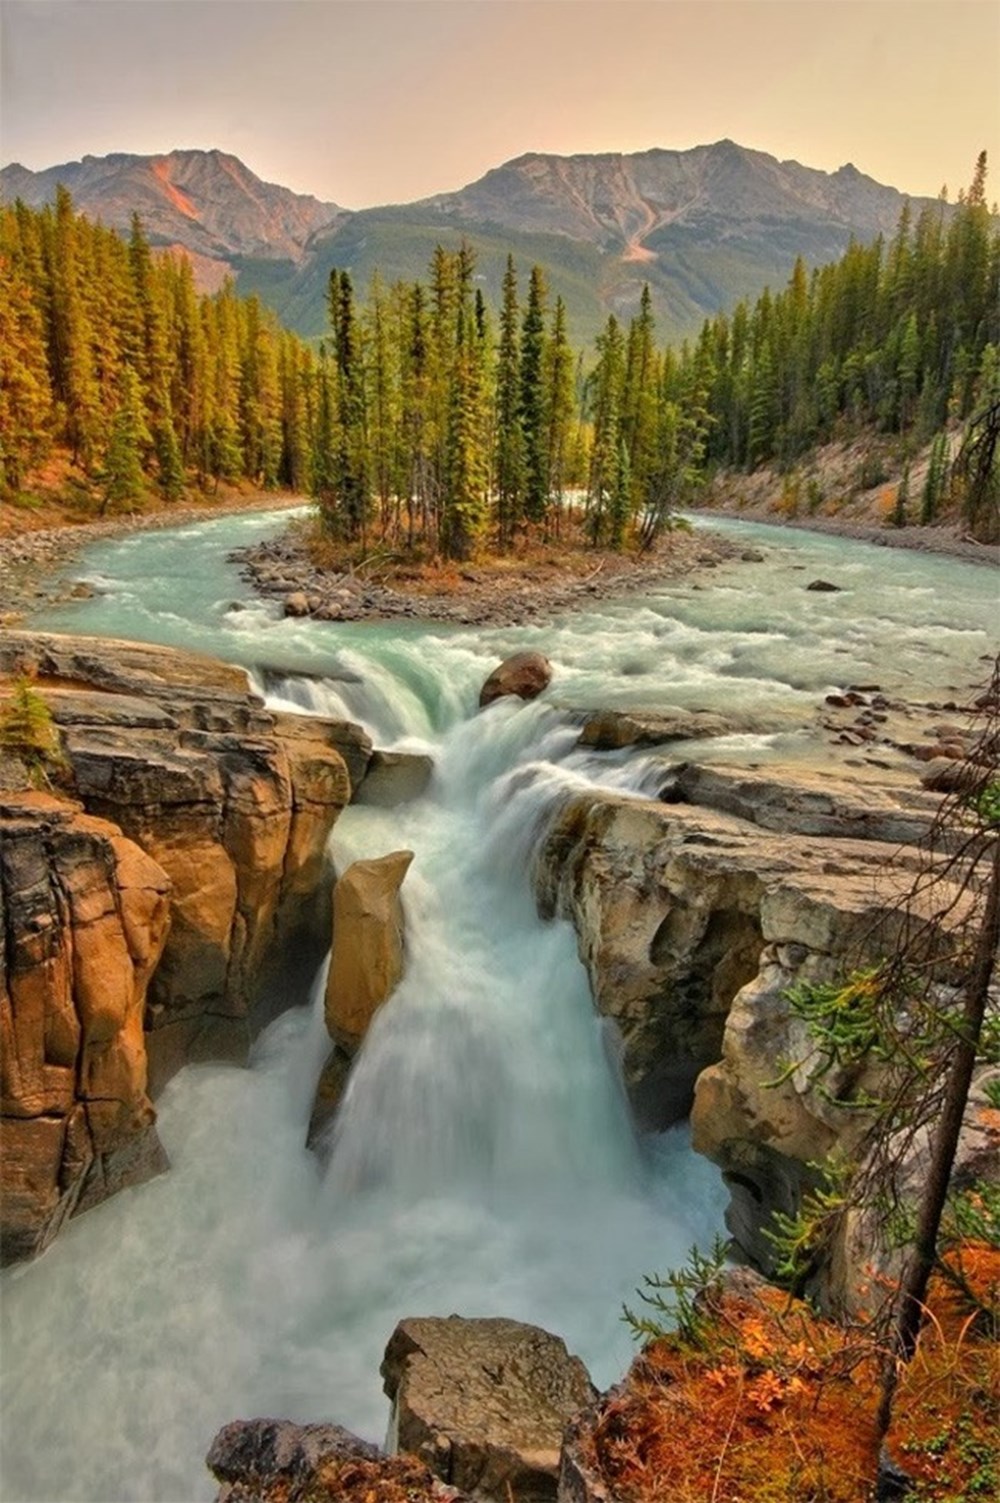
column 150, row 903
column 696, row 917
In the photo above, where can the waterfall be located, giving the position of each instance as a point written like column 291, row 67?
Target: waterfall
column 483, row 1161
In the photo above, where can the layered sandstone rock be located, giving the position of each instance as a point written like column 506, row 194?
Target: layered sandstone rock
column 366, row 966
column 610, row 730
column 234, row 803
column 159, row 922
column 484, row 1403
column 674, row 904
column 366, row 962
column 84, row 916
column 395, row 778
column 694, row 923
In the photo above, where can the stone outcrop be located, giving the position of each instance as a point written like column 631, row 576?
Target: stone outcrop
column 395, row 778
column 275, row 1461
column 366, row 966
column 807, row 802
column 610, row 730
column 366, row 962
column 84, row 916
column 524, row 674
column 484, row 1403
column 693, row 922
column 159, row 922
column 234, row 803
column 674, row 904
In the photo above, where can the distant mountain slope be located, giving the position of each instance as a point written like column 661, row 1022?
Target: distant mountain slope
column 628, row 203
column 207, row 201
column 704, row 227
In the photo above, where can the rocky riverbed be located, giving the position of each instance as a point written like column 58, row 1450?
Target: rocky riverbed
column 36, row 563
column 500, row 592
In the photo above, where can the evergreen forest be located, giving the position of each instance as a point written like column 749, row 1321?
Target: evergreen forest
column 426, row 417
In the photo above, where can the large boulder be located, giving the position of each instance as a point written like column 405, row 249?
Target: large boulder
column 395, row 778
column 484, row 1403
column 610, row 730
column 524, row 674
column 84, row 917
column 366, row 961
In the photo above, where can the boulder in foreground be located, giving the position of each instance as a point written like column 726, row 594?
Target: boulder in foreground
column 484, row 1403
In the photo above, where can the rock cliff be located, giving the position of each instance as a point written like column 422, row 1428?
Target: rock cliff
column 694, row 918
column 84, row 916
column 178, row 781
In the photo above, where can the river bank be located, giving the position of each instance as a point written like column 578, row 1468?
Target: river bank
column 36, row 566
column 33, row 559
column 948, row 539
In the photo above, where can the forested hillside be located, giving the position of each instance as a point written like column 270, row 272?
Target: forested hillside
column 424, row 418
column 109, row 352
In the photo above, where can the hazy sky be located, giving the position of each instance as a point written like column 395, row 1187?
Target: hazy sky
column 376, row 101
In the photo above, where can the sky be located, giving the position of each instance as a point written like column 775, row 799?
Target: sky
column 383, row 101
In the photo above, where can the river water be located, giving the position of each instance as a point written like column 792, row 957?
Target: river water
column 483, row 1161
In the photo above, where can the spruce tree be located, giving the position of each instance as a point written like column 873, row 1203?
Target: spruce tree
column 123, row 474
column 532, row 406
column 560, row 403
column 509, row 463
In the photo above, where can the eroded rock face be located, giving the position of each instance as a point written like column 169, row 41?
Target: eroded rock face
column 161, row 925
column 694, row 922
column 674, row 905
column 484, row 1403
column 84, row 917
column 234, row 803
column 524, row 674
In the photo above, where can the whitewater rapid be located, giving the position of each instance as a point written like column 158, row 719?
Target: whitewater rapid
column 483, row 1161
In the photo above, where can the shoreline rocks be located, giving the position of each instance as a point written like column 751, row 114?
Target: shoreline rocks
column 281, row 569
column 275, row 1461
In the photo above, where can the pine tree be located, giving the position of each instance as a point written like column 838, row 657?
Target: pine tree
column 560, row 403
column 464, row 517
column 934, row 484
column 532, row 404
column 509, row 463
column 605, row 406
column 123, row 473
column 26, row 413
column 351, row 470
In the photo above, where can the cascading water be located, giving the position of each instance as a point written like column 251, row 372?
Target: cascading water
column 483, row 1161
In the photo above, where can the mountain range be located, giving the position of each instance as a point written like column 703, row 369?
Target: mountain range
column 703, row 227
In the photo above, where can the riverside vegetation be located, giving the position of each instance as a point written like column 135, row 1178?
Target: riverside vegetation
column 428, row 419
